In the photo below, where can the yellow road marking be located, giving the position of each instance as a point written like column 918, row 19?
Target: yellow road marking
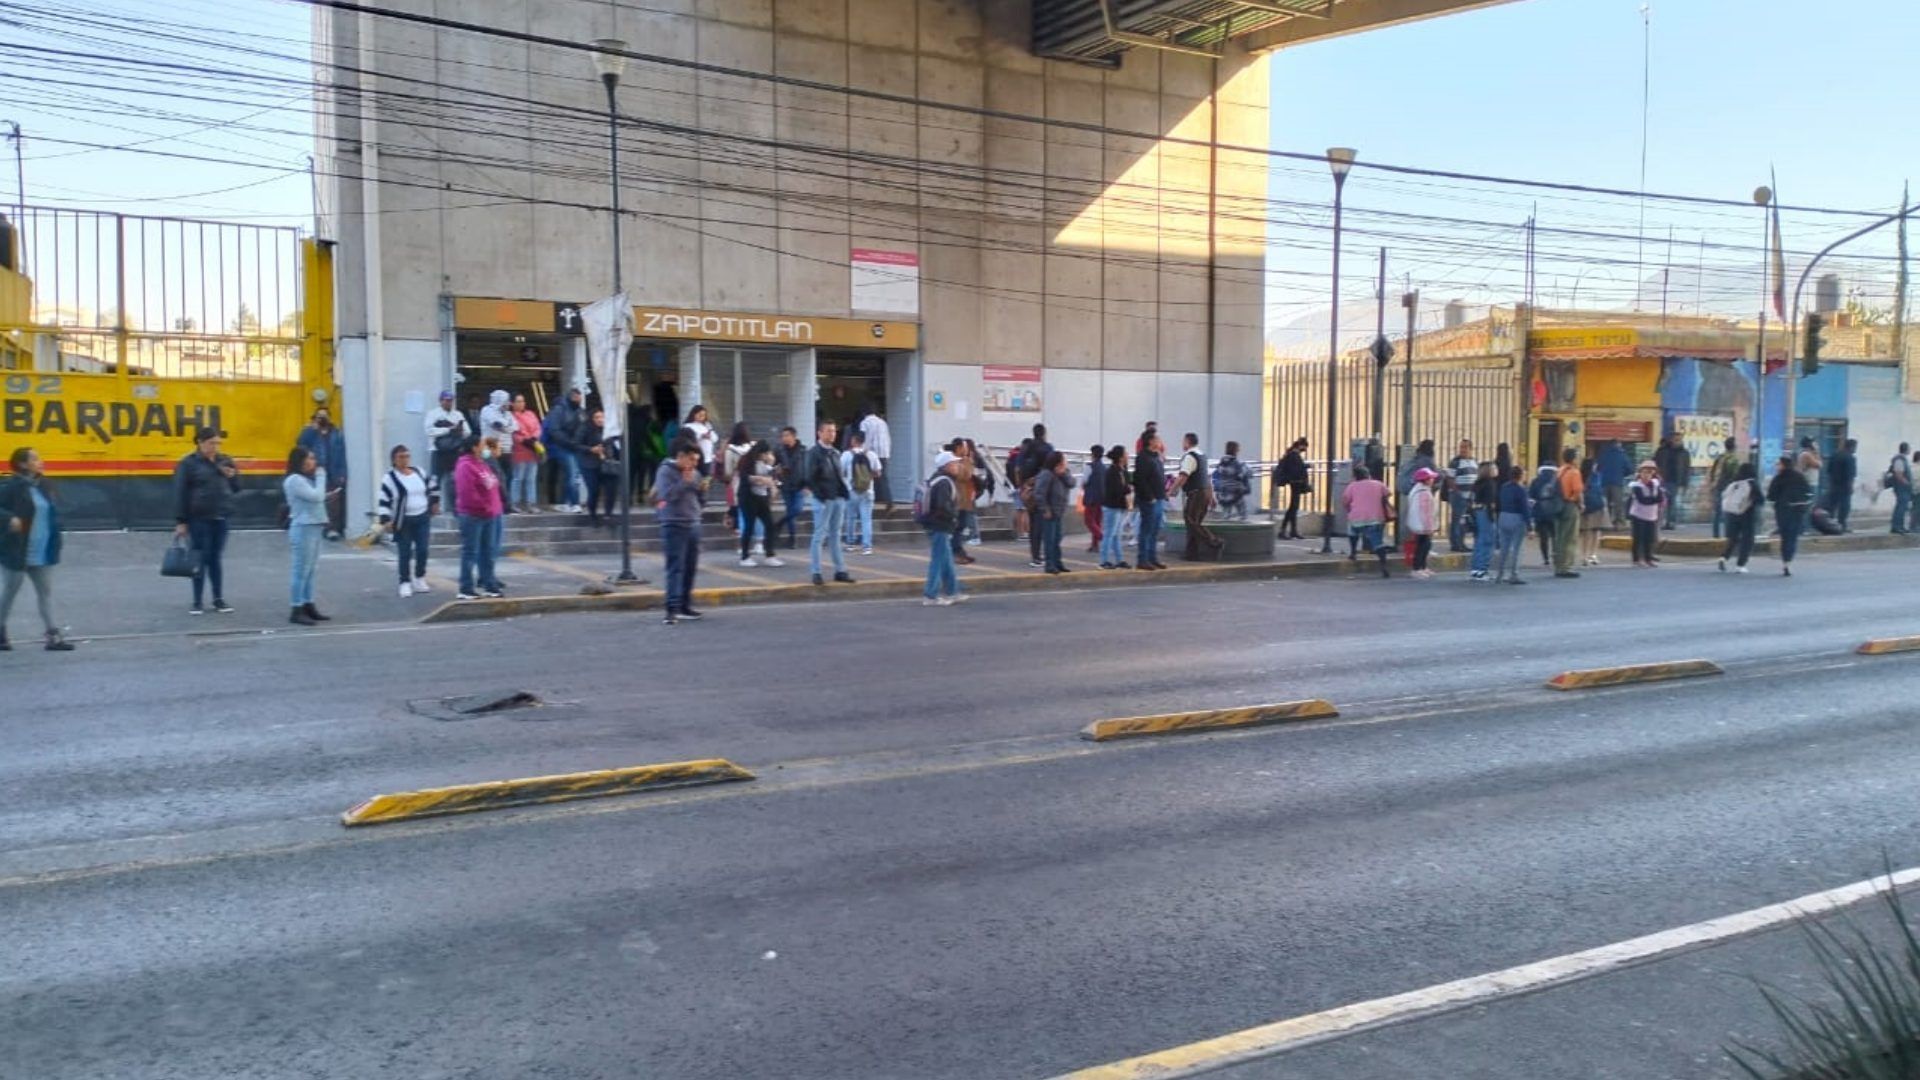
column 494, row 795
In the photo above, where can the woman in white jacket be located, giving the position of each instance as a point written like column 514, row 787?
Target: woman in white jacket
column 1422, row 519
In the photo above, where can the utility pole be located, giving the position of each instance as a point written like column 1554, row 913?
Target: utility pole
column 20, row 194
column 1380, row 361
column 1900, row 289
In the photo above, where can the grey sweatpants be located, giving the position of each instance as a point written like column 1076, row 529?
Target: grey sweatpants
column 42, row 578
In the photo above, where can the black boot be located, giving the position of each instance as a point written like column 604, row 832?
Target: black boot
column 314, row 613
column 301, row 618
column 56, row 642
column 5, row 645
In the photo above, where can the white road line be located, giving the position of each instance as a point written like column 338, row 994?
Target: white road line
column 1267, row 1040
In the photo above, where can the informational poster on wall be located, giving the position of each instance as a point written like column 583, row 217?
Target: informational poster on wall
column 1009, row 390
column 886, row 282
column 1705, row 436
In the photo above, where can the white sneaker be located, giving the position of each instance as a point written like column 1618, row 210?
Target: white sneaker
column 1739, row 569
column 961, row 597
column 771, row 561
column 748, row 561
column 866, row 551
column 420, row 585
column 975, row 542
column 406, row 589
column 936, row 601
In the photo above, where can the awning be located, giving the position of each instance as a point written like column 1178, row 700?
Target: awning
column 1623, row 342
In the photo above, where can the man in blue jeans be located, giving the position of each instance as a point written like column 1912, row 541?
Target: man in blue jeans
column 823, row 480
column 790, row 461
column 1900, row 480
column 942, row 518
column 679, row 493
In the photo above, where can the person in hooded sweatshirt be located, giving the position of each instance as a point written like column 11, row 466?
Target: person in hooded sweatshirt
column 498, row 423
column 1791, row 497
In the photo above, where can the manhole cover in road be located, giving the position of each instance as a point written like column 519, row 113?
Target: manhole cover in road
column 467, row 706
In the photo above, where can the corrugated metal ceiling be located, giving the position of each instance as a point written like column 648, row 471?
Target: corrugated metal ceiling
column 1076, row 30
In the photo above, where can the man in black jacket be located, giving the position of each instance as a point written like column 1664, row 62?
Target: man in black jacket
column 1842, row 470
column 821, row 475
column 1675, row 463
column 1150, row 499
column 790, row 461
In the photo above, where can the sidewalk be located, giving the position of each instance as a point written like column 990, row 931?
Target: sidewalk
column 109, row 585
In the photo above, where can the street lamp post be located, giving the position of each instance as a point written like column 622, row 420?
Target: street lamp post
column 610, row 61
column 1339, row 160
column 1763, row 198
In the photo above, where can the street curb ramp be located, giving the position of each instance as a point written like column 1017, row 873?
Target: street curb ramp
column 1633, row 673
column 1883, row 646
column 1189, row 723
column 499, row 794
column 899, row 589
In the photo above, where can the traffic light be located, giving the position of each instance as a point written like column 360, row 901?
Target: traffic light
column 1810, row 354
column 1382, row 351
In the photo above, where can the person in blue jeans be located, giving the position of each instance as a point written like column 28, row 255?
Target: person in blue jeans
column 679, row 493
column 942, row 518
column 305, row 487
column 478, row 501
column 1150, row 498
column 822, row 479
column 1113, row 510
column 1485, row 498
column 204, row 484
column 1900, row 481
column 1516, row 510
column 1792, row 499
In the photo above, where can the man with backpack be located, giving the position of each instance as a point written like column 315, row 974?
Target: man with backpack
column 861, row 470
column 1573, row 495
column 1899, row 480
column 447, row 429
column 1033, row 461
column 1196, row 491
column 1463, row 470
column 821, row 476
column 1725, row 468
column 1232, row 483
column 1544, row 495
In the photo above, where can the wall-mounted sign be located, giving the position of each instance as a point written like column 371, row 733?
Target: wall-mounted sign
column 689, row 324
column 1705, row 436
column 1009, row 389
column 886, row 281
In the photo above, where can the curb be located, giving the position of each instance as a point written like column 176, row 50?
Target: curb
column 1187, row 723
column 1707, row 547
column 1633, row 673
column 1883, row 646
column 508, row 607
column 499, row 794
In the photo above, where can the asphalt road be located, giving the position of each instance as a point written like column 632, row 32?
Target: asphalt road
column 932, row 878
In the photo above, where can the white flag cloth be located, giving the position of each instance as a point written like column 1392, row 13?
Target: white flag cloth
column 609, row 326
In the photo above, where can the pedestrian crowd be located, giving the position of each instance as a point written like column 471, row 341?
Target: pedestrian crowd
column 485, row 463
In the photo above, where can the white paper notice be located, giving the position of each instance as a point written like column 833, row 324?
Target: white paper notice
column 960, row 409
column 886, row 281
column 414, row 402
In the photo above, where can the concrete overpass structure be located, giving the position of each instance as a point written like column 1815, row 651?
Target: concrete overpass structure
column 975, row 213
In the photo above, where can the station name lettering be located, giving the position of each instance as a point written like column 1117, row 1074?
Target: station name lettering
column 104, row 421
column 694, row 324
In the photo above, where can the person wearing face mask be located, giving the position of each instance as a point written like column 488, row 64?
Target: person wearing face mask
column 305, row 486
column 329, row 448
column 477, row 502
column 498, row 423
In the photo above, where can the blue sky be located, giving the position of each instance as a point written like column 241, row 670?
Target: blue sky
column 1551, row 89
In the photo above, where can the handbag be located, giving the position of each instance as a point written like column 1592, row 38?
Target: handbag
column 180, row 560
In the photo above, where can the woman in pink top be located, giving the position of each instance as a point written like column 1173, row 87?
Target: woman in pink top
column 476, row 499
column 526, row 455
column 1367, row 503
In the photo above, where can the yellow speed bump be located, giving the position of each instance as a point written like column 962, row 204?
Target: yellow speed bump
column 1633, row 673
column 1209, row 720
column 497, row 794
column 1882, row 646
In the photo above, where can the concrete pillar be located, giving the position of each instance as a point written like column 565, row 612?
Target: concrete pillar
column 802, row 387
column 908, row 425
column 689, row 361
column 574, row 369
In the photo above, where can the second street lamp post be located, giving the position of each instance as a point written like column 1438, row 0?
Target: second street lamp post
column 1340, row 160
column 610, row 61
